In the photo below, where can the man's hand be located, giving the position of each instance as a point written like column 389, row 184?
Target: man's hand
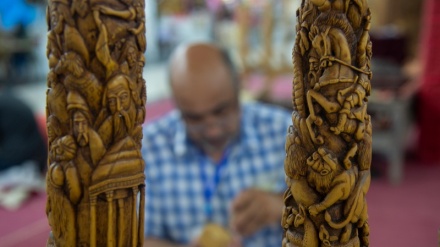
column 254, row 209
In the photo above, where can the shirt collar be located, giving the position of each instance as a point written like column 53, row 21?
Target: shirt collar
column 247, row 136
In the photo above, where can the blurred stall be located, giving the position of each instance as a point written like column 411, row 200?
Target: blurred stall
column 22, row 41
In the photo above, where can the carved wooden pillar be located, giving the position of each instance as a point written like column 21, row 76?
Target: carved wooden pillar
column 328, row 147
column 95, row 107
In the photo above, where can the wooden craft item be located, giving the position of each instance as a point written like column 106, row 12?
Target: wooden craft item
column 328, row 147
column 95, row 108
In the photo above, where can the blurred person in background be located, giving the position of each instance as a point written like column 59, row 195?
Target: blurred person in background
column 213, row 161
column 21, row 140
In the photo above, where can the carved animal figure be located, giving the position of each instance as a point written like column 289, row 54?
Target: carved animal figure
column 338, row 186
column 355, row 209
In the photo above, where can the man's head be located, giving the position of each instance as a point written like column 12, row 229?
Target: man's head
column 205, row 90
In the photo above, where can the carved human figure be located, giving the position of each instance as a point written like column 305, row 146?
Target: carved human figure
column 119, row 113
column 121, row 135
column 141, row 88
column 140, row 30
column 85, row 23
column 65, row 191
column 354, row 105
column 87, row 137
column 329, row 45
column 91, row 149
column 131, row 56
column 102, row 47
column 78, row 78
column 53, row 129
column 53, row 50
column 58, row 15
column 129, row 60
column 56, row 99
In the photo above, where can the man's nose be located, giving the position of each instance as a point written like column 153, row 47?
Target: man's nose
column 213, row 128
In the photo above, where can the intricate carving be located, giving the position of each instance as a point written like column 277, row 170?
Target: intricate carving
column 328, row 148
column 95, row 107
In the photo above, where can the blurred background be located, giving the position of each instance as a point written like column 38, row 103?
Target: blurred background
column 404, row 202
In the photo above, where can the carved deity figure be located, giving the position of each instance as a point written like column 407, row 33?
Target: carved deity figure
column 328, row 147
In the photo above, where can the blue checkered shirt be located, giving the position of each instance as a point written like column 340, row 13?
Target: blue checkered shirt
column 175, row 201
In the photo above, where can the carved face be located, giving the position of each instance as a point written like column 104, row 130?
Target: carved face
column 118, row 95
column 53, row 18
column 50, row 133
column 131, row 56
column 322, row 183
column 64, row 149
column 80, row 128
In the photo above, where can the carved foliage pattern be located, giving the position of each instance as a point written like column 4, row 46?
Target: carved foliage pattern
column 328, row 147
column 95, row 108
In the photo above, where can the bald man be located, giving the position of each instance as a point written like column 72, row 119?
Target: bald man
column 213, row 161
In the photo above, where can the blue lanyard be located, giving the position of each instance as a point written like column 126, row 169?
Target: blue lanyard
column 210, row 184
